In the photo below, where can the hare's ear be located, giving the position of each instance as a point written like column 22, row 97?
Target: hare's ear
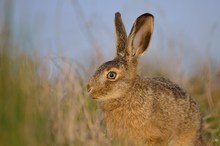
column 120, row 35
column 140, row 35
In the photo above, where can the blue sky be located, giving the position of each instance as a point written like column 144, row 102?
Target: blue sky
column 75, row 28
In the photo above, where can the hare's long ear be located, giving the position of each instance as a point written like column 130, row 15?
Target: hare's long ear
column 120, row 35
column 140, row 35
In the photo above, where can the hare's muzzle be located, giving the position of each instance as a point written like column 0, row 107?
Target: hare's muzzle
column 89, row 89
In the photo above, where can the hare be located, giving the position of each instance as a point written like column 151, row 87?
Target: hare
column 153, row 111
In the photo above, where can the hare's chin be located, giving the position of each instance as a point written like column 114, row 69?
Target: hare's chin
column 98, row 99
column 101, row 98
column 104, row 98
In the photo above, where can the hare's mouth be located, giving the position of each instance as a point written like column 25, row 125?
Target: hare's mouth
column 95, row 98
column 91, row 94
column 90, row 90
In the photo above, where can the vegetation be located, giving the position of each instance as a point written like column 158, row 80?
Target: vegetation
column 37, row 108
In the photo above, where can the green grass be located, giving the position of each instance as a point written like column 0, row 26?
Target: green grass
column 42, row 111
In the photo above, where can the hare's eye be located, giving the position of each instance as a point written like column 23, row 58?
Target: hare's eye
column 111, row 75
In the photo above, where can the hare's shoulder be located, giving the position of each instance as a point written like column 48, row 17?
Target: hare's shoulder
column 160, row 84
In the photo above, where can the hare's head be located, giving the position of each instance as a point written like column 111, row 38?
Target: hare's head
column 115, row 77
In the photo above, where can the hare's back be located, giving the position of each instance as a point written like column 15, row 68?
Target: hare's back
column 165, row 84
column 167, row 97
column 169, row 103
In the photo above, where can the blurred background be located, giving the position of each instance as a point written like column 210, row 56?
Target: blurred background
column 49, row 49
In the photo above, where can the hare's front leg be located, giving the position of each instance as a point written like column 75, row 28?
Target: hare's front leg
column 156, row 142
column 185, row 139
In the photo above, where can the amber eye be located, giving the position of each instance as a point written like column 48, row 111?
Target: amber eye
column 111, row 75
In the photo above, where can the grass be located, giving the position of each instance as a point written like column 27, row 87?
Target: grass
column 37, row 108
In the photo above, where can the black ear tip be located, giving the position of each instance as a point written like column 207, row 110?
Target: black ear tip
column 117, row 14
column 147, row 15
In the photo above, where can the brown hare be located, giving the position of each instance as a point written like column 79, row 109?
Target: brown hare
column 153, row 111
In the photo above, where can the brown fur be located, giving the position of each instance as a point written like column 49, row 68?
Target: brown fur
column 144, row 110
